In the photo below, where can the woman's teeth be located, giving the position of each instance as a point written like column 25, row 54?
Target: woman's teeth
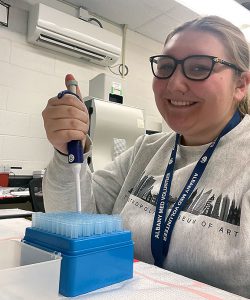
column 181, row 103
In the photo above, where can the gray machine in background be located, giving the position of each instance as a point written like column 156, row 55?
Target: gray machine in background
column 113, row 129
column 107, row 87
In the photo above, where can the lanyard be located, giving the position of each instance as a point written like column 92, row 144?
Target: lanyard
column 162, row 229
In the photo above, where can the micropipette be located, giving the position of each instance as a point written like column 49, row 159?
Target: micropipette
column 75, row 154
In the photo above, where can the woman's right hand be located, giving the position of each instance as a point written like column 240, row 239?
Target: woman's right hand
column 66, row 119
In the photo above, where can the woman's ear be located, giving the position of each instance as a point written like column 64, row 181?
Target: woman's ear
column 241, row 88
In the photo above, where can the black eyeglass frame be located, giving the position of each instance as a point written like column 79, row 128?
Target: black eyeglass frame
column 181, row 62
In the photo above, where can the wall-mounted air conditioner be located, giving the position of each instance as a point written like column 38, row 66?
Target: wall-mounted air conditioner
column 59, row 31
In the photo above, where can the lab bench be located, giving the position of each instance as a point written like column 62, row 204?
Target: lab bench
column 16, row 195
column 148, row 282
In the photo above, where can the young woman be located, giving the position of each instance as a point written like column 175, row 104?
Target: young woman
column 185, row 195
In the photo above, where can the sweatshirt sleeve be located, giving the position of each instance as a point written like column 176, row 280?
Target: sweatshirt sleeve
column 99, row 190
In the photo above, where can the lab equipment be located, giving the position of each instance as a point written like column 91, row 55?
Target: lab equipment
column 75, row 148
column 4, row 176
column 96, row 250
column 27, row 272
column 110, row 122
column 75, row 154
column 108, row 88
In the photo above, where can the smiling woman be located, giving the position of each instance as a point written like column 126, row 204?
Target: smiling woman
column 212, row 79
column 188, row 211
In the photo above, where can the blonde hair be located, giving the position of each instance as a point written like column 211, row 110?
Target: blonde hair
column 233, row 39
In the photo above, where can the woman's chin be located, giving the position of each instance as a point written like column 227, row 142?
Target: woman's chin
column 179, row 127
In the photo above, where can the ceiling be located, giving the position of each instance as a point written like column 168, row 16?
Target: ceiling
column 153, row 19
column 150, row 18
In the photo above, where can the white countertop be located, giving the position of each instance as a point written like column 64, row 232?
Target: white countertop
column 149, row 282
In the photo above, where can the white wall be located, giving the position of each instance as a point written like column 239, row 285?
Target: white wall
column 31, row 75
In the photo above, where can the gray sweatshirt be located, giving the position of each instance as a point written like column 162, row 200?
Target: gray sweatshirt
column 211, row 238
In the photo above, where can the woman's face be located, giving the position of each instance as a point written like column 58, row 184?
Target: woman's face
column 198, row 110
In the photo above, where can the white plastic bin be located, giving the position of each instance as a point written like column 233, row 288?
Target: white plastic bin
column 27, row 272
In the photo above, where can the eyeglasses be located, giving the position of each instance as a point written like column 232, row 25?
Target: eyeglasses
column 195, row 67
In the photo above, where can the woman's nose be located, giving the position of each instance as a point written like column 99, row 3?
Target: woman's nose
column 178, row 82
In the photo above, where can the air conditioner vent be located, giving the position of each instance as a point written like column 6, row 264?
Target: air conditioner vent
column 86, row 53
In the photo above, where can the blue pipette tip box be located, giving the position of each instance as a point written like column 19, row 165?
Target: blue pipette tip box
column 88, row 263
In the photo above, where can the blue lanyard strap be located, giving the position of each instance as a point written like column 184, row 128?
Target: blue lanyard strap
column 162, row 228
